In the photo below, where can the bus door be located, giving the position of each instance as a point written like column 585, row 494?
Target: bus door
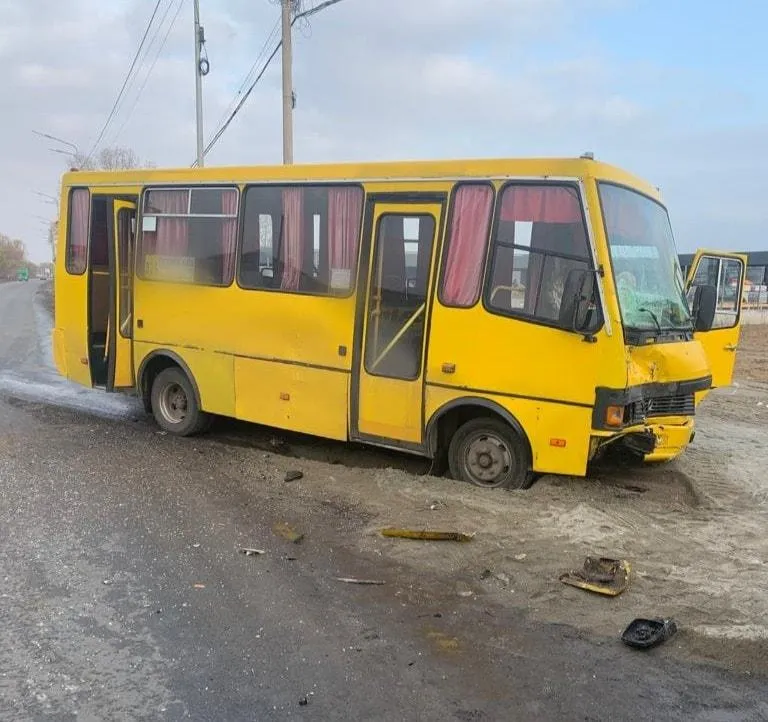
column 119, row 347
column 725, row 273
column 392, row 321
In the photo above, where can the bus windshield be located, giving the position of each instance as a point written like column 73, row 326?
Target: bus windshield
column 646, row 269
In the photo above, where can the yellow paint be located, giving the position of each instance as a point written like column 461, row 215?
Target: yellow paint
column 391, row 408
column 287, row 360
column 124, row 374
column 720, row 344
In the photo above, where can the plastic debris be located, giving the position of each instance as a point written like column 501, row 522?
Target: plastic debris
column 199, row 586
column 426, row 535
column 287, row 532
column 520, row 557
column 647, row 633
column 600, row 575
column 249, row 552
column 293, row 475
column 352, row 580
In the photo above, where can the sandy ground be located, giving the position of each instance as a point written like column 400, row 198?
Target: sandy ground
column 694, row 530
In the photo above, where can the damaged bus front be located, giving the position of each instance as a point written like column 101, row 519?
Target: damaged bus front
column 680, row 336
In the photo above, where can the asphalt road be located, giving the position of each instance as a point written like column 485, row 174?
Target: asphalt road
column 123, row 594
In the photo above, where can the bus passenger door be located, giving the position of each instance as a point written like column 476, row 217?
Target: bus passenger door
column 392, row 320
column 725, row 272
column 119, row 349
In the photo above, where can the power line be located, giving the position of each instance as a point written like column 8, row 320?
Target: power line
column 141, row 65
column 125, row 82
column 248, row 77
column 299, row 16
column 152, row 66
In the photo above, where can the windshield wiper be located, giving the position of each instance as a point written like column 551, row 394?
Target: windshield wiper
column 653, row 316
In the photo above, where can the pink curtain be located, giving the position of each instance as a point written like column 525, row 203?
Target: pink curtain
column 540, row 204
column 78, row 231
column 345, row 206
column 228, row 234
column 292, row 246
column 172, row 235
column 471, row 220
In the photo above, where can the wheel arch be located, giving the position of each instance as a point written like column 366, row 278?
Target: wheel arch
column 155, row 362
column 474, row 406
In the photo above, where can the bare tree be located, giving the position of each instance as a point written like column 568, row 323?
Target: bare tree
column 53, row 230
column 112, row 158
column 12, row 256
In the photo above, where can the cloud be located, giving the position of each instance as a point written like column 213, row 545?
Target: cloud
column 378, row 80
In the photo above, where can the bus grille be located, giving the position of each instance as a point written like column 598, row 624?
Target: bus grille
column 684, row 405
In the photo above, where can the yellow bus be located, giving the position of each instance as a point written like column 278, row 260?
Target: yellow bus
column 511, row 317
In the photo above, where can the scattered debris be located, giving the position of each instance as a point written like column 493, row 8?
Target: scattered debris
column 249, row 552
column 199, row 586
column 293, row 475
column 647, row 633
column 426, row 535
column 287, row 532
column 303, row 702
column 463, row 589
column 352, row 580
column 498, row 576
column 107, row 582
column 520, row 557
column 600, row 575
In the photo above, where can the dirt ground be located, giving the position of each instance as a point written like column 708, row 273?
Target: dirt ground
column 693, row 530
column 752, row 356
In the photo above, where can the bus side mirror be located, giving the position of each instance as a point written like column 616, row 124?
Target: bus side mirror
column 579, row 307
column 703, row 307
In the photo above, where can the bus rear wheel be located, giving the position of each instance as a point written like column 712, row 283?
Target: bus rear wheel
column 175, row 406
column 487, row 452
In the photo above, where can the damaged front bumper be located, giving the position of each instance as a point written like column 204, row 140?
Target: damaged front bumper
column 659, row 441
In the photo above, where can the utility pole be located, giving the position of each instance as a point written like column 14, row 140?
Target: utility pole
column 287, row 7
column 199, row 40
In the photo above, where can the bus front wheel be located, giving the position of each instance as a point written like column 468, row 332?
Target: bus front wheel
column 488, row 452
column 175, row 406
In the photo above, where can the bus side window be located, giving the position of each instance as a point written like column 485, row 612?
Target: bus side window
column 540, row 237
column 301, row 239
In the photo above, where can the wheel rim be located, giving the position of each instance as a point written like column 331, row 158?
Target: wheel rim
column 173, row 403
column 487, row 459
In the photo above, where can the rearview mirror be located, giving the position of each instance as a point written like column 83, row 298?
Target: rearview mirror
column 703, row 307
column 579, row 308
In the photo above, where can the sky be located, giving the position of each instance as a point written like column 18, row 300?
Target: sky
column 675, row 91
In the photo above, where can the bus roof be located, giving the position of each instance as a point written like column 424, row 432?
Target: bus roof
column 370, row 172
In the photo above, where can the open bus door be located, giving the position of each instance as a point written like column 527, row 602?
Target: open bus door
column 725, row 273
column 118, row 352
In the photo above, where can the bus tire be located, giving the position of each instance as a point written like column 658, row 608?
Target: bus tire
column 175, row 406
column 488, row 452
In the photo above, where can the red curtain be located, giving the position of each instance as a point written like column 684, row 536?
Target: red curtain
column 292, row 246
column 345, row 206
column 228, row 234
column 80, row 207
column 471, row 220
column 172, row 235
column 540, row 204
